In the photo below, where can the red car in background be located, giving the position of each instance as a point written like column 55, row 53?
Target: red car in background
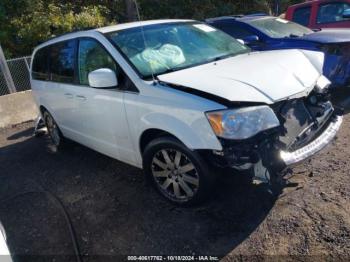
column 321, row 14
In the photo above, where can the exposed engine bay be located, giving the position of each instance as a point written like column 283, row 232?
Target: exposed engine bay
column 303, row 121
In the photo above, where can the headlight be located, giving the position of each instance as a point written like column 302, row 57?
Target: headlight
column 322, row 84
column 242, row 123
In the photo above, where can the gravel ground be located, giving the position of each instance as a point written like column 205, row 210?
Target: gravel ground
column 115, row 213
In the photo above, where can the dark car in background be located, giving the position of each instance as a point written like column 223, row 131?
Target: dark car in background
column 321, row 14
column 261, row 32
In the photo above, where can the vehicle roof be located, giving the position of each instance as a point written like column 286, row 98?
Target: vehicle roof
column 240, row 18
column 312, row 2
column 117, row 27
column 306, row 2
column 111, row 28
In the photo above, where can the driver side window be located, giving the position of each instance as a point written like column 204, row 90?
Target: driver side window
column 92, row 56
column 331, row 12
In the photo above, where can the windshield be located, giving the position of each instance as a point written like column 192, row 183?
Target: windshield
column 174, row 46
column 279, row 28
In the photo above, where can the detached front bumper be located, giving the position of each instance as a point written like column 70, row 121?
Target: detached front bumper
column 290, row 158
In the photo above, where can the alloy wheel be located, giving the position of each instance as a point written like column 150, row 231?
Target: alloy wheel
column 53, row 130
column 175, row 174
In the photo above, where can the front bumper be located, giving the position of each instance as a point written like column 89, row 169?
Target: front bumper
column 290, row 158
column 267, row 148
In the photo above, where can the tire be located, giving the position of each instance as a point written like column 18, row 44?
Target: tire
column 53, row 130
column 178, row 174
column 245, row 177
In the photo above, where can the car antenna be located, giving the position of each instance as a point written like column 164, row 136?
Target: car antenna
column 144, row 40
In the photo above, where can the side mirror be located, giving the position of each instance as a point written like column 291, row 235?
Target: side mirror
column 103, row 78
column 251, row 39
column 346, row 13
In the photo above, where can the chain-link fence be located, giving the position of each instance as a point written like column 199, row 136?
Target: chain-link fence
column 19, row 70
column 3, row 86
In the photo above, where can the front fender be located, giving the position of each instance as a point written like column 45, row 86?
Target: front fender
column 194, row 131
column 316, row 58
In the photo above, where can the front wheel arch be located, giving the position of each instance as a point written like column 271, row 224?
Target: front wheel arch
column 151, row 134
column 42, row 110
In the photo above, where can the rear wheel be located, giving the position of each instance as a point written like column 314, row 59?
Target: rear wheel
column 179, row 174
column 53, row 130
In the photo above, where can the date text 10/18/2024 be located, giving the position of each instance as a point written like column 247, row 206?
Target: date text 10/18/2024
column 173, row 258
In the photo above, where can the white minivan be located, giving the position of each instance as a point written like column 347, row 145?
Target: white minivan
column 181, row 99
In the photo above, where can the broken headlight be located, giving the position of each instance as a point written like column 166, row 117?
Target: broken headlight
column 322, row 84
column 242, row 123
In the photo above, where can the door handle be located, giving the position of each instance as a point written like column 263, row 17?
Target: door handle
column 68, row 95
column 83, row 98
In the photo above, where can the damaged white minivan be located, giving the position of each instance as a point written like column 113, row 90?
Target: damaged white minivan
column 181, row 99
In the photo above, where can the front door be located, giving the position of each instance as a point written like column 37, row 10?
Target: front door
column 101, row 117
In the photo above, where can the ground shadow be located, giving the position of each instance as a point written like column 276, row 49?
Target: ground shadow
column 342, row 99
column 22, row 134
column 114, row 211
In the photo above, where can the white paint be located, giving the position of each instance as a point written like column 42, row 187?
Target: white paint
column 4, row 250
column 265, row 77
column 3, row 247
column 205, row 28
column 282, row 20
column 139, row 24
column 113, row 121
column 102, row 78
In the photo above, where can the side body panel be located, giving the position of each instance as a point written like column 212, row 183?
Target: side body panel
column 113, row 121
column 58, row 99
column 173, row 111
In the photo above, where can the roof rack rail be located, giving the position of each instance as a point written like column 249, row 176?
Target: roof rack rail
column 236, row 16
column 257, row 14
column 223, row 17
column 73, row 31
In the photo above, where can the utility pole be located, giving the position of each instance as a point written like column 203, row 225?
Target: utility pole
column 131, row 12
column 6, row 72
column 277, row 7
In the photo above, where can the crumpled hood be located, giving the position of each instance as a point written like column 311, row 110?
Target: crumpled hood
column 265, row 77
column 328, row 36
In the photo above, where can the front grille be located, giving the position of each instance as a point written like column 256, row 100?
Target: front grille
column 301, row 122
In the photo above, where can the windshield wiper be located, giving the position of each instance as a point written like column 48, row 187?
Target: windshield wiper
column 219, row 58
column 294, row 36
column 227, row 56
column 170, row 70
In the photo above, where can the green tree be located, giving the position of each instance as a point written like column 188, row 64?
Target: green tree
column 39, row 20
column 26, row 23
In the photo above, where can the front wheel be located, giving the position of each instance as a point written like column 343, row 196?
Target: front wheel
column 179, row 174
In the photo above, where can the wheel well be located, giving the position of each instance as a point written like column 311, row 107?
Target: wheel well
column 150, row 135
column 42, row 109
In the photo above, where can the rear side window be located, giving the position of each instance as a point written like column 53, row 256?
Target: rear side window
column 302, row 15
column 40, row 67
column 92, row 56
column 62, row 61
column 332, row 12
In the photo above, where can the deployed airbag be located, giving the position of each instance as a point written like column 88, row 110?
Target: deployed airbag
column 157, row 60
